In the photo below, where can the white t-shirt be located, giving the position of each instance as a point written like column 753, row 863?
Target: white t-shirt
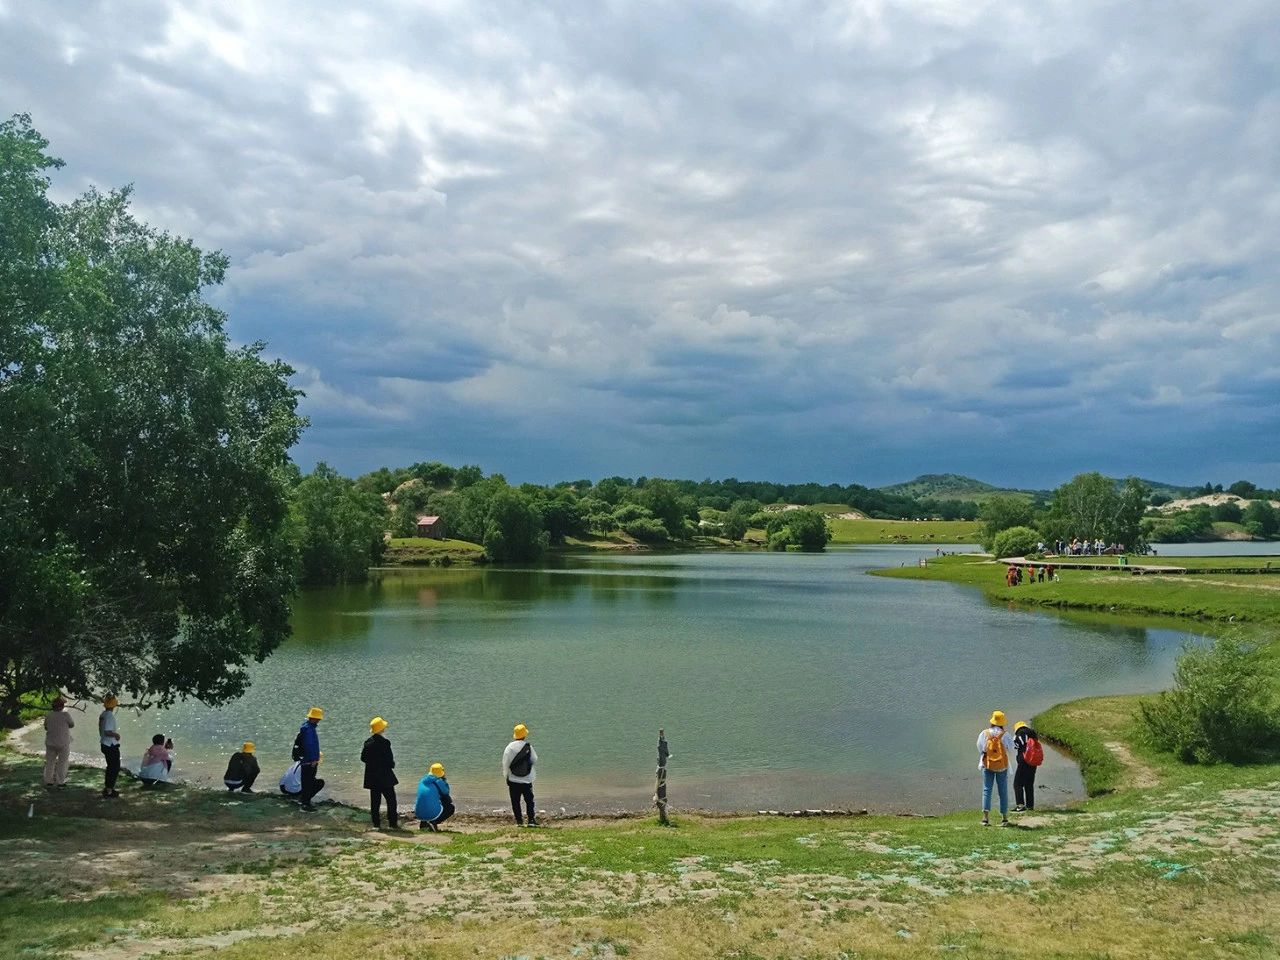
column 509, row 754
column 291, row 782
column 1010, row 752
column 107, row 724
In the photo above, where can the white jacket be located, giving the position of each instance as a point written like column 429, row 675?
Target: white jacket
column 291, row 782
column 509, row 754
column 1010, row 752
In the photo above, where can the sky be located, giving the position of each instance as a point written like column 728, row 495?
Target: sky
column 843, row 242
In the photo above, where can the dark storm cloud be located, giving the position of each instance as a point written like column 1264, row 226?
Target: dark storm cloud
column 806, row 240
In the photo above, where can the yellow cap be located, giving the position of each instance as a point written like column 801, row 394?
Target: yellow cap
column 248, row 747
column 437, row 769
column 315, row 713
column 377, row 725
column 111, row 702
column 520, row 732
column 997, row 718
column 1019, row 725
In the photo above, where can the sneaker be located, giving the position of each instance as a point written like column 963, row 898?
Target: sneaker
column 1019, row 808
column 1005, row 823
column 432, row 827
column 247, row 790
column 986, row 822
column 306, row 807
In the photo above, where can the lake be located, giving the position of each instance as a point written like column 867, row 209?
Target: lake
column 783, row 680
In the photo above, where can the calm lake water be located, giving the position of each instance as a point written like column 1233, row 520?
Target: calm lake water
column 783, row 680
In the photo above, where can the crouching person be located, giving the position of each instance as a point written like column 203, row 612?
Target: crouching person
column 156, row 762
column 242, row 770
column 434, row 805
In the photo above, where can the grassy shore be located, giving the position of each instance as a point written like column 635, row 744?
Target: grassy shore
column 1227, row 597
column 903, row 531
column 424, row 551
column 1172, row 862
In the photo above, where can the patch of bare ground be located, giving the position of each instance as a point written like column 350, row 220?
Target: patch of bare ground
column 1137, row 774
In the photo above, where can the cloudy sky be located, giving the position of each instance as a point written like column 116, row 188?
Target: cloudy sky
column 847, row 241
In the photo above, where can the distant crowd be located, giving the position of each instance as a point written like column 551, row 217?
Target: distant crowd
column 300, row 782
column 998, row 752
column 1017, row 574
column 1082, row 548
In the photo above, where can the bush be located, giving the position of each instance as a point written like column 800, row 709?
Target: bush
column 646, row 530
column 628, row 512
column 1221, row 707
column 1015, row 542
column 808, row 529
column 780, row 539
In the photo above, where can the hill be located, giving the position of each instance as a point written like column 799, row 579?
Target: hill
column 954, row 486
column 950, row 486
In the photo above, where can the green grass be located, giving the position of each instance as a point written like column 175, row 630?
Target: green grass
column 1242, row 598
column 904, row 531
column 422, row 551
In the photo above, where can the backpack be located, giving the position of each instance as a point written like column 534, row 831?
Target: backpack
column 996, row 759
column 522, row 762
column 1033, row 753
column 298, row 752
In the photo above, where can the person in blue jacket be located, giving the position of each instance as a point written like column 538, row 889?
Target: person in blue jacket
column 307, row 752
column 434, row 805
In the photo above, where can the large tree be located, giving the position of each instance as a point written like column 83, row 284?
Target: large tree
column 1092, row 507
column 337, row 527
column 143, row 458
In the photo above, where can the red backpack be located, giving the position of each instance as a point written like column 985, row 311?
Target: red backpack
column 1033, row 753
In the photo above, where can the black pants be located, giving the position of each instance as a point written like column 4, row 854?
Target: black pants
column 310, row 785
column 518, row 790
column 112, row 754
column 376, row 796
column 1024, row 786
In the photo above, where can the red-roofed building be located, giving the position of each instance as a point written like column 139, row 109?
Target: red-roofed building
column 432, row 527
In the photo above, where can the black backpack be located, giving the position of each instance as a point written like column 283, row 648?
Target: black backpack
column 298, row 753
column 522, row 762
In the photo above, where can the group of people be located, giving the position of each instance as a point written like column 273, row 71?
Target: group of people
column 1016, row 574
column 997, row 752
column 433, row 804
column 1084, row 548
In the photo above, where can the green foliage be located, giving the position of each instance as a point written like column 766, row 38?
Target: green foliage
column 628, row 512
column 1227, row 512
column 645, row 529
column 143, row 460
column 780, row 539
column 1000, row 513
column 808, row 529
column 664, row 502
column 1262, row 513
column 336, row 526
column 563, row 514
column 1015, row 542
column 1222, row 707
column 513, row 528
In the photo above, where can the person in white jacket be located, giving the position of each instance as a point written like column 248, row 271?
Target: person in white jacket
column 57, row 744
column 995, row 754
column 518, row 769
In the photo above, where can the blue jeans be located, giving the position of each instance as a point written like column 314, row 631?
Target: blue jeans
column 1001, row 779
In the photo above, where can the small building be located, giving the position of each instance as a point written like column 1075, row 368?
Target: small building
column 432, row 527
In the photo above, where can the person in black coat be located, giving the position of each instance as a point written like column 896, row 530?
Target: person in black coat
column 379, row 774
column 1024, row 777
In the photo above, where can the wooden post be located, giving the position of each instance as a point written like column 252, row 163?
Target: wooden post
column 660, row 797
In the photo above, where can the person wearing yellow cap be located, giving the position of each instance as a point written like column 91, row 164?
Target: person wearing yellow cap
column 518, row 761
column 434, row 805
column 1030, row 754
column 242, row 769
column 306, row 750
column 380, row 774
column 995, row 748
column 109, row 738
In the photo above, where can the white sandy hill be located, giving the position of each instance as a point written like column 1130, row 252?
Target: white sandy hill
column 1208, row 500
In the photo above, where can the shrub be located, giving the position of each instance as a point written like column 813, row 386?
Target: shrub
column 628, row 512
column 1221, row 707
column 646, row 530
column 1015, row 542
column 780, row 539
